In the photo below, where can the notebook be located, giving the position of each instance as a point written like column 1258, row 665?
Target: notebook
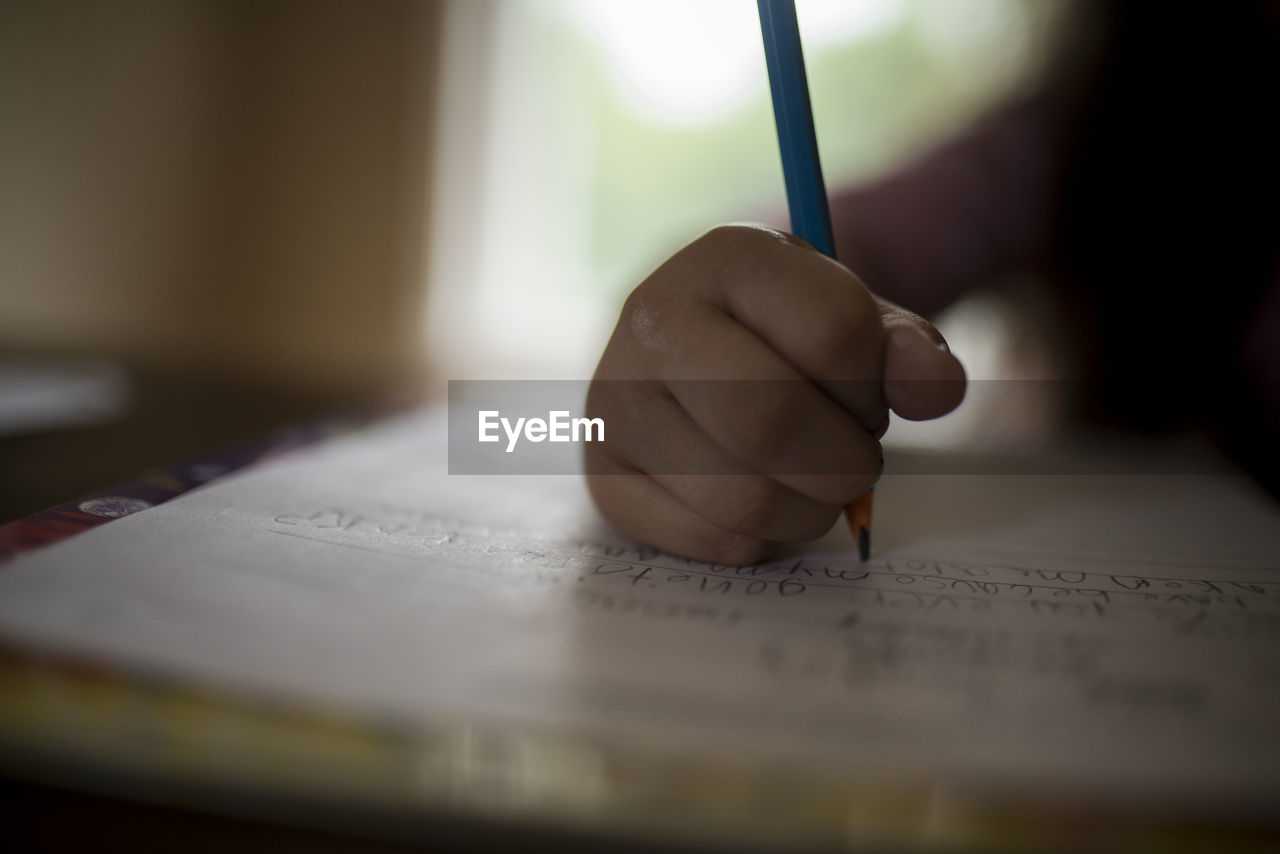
column 350, row 624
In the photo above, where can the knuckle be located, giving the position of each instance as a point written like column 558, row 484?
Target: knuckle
column 719, row 235
column 718, row 246
column 642, row 313
column 740, row 243
column 731, row 235
column 645, row 325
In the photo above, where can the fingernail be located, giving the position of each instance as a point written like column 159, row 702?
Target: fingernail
column 930, row 336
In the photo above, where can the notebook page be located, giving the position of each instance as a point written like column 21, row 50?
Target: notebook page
column 1109, row 634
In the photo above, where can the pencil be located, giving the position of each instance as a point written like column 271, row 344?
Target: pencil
column 802, row 171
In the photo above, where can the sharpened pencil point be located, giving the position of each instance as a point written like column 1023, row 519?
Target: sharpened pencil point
column 858, row 513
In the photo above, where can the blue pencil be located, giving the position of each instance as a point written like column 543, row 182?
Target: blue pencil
column 802, row 169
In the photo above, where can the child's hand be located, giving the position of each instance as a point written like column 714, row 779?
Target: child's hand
column 814, row 362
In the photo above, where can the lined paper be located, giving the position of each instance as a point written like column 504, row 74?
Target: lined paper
column 1111, row 634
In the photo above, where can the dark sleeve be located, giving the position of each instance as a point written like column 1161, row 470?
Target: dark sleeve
column 1250, row 429
column 959, row 216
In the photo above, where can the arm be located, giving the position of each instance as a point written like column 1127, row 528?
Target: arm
column 957, row 217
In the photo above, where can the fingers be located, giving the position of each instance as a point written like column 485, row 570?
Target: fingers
column 922, row 379
column 648, row 510
column 756, row 377
column 773, row 351
column 812, row 312
column 766, row 415
column 638, row 507
column 703, row 477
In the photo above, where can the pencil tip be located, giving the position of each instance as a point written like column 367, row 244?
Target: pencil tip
column 864, row 543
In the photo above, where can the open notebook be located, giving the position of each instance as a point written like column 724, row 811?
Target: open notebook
column 1095, row 645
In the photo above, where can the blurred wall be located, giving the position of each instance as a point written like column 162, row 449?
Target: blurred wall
column 229, row 186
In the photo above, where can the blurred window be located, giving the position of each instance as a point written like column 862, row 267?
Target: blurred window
column 583, row 141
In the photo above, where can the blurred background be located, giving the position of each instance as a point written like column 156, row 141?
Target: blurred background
column 580, row 142
column 219, row 216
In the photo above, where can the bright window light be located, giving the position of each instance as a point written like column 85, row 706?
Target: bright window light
column 846, row 22
column 693, row 61
column 678, row 61
column 581, row 142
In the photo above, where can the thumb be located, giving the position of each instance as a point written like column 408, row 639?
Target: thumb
column 922, row 379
